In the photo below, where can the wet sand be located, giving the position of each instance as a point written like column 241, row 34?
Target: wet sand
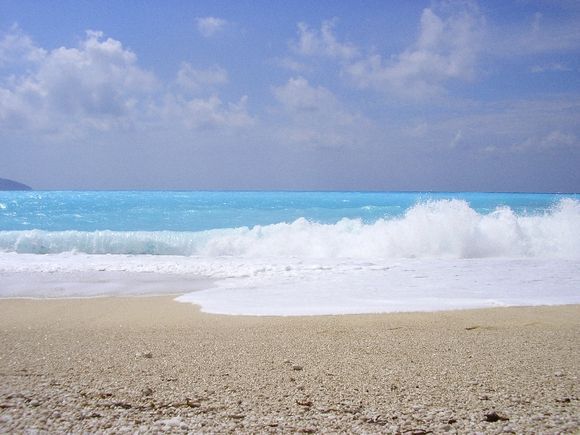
column 148, row 364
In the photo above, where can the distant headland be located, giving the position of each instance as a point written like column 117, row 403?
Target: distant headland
column 12, row 185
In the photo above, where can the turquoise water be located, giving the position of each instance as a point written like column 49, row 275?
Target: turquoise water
column 198, row 211
column 295, row 253
column 291, row 224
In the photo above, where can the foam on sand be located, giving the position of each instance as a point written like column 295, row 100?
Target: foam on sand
column 440, row 255
column 407, row 285
column 298, row 287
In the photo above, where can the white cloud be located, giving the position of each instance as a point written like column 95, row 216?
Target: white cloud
column 69, row 93
column 209, row 26
column 291, row 64
column 531, row 126
column 453, row 44
column 312, row 116
column 298, row 95
column 446, row 49
column 17, row 46
column 206, row 113
column 96, row 84
column 555, row 139
column 548, row 35
column 323, row 42
column 550, row 67
column 537, row 34
column 196, row 80
column 456, row 139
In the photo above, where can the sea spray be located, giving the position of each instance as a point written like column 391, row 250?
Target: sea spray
column 291, row 253
column 447, row 228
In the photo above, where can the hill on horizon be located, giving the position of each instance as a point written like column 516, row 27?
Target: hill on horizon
column 6, row 184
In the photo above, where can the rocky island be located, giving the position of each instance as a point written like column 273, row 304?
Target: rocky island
column 6, row 184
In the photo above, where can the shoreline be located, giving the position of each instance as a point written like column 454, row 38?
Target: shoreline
column 143, row 363
column 233, row 286
column 174, row 297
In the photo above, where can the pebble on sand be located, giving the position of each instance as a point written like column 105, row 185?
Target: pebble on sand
column 493, row 416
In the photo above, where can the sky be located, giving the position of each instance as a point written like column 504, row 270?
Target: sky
column 291, row 95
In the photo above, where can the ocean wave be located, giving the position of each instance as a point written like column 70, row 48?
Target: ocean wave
column 445, row 228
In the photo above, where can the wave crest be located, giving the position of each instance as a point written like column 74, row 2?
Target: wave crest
column 446, row 228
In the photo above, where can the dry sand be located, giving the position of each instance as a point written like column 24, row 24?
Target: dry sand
column 151, row 364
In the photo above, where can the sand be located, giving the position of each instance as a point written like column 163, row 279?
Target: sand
column 150, row 364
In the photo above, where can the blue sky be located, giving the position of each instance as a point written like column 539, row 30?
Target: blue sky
column 340, row 95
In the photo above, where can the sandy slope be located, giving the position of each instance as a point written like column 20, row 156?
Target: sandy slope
column 152, row 364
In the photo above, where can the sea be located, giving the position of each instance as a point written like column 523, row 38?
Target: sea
column 294, row 253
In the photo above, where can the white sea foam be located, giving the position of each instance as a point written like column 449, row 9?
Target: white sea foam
column 405, row 285
column 274, row 286
column 440, row 255
column 447, row 228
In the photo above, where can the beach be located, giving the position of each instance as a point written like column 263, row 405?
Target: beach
column 150, row 364
column 290, row 217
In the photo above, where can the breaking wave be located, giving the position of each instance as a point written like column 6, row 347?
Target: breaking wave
column 445, row 228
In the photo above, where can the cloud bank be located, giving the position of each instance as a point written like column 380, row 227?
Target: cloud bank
column 210, row 26
column 324, row 106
